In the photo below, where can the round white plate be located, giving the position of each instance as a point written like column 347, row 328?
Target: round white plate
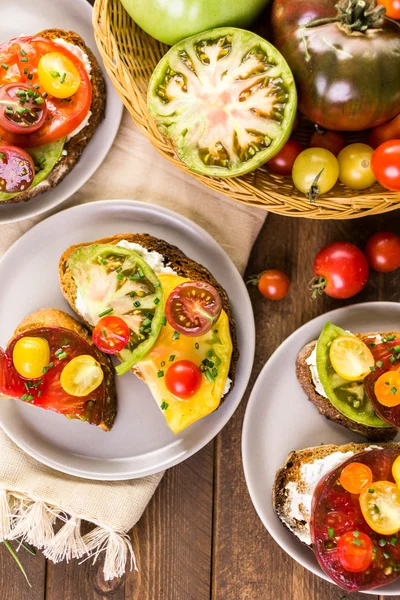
column 140, row 442
column 279, row 418
column 29, row 17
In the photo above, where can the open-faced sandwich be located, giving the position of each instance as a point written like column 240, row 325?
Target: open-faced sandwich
column 163, row 315
column 354, row 380
column 51, row 362
column 344, row 502
column 52, row 98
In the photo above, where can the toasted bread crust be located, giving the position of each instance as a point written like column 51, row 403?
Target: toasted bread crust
column 182, row 265
column 52, row 317
column 327, row 409
column 290, row 472
column 75, row 146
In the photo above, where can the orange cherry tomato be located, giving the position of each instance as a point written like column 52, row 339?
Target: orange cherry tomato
column 355, row 477
column 272, row 284
column 392, row 8
column 387, row 388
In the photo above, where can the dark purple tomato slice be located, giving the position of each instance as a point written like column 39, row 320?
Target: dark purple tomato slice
column 17, row 169
column 22, row 109
column 193, row 307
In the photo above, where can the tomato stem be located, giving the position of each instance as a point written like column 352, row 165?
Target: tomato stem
column 253, row 280
column 317, row 285
column 314, row 190
column 354, row 15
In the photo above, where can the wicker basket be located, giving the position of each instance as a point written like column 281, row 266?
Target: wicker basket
column 130, row 56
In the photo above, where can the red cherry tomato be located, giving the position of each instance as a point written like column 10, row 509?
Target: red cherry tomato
column 383, row 251
column 272, row 284
column 355, row 551
column 385, row 164
column 111, row 335
column 392, row 8
column 384, row 133
column 183, row 379
column 17, row 170
column 193, row 307
column 282, row 163
column 333, row 141
column 22, row 109
column 341, row 270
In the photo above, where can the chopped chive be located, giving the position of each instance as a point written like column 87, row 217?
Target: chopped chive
column 393, row 541
column 396, row 349
column 392, row 359
column 55, row 74
column 120, row 276
column 214, row 372
column 394, row 390
column 172, row 358
column 103, row 333
column 160, row 374
column 39, row 100
column 389, row 338
column 9, row 112
column 45, row 369
column 24, row 59
column 27, row 385
column 164, row 320
column 119, row 270
column 141, row 274
column 103, row 261
column 59, row 351
column 176, row 335
column 379, row 364
column 39, row 393
column 106, row 312
column 42, row 160
column 356, row 534
column 36, row 86
column 376, row 509
column 372, row 369
column 146, row 323
column 210, row 353
column 371, row 490
column 157, row 284
column 164, row 405
column 20, row 111
column 371, row 344
column 137, row 303
column 62, row 355
column 209, row 376
column 156, row 300
column 4, row 66
column 357, row 542
column 64, row 75
column 386, row 555
column 23, row 53
column 30, row 76
column 382, row 541
column 50, row 365
column 132, row 294
column 1, row 155
column 26, row 71
column 331, row 532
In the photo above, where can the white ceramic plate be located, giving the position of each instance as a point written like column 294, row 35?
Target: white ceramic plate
column 140, row 442
column 29, row 17
column 279, row 418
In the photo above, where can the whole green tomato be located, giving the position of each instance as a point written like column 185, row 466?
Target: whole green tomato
column 170, row 21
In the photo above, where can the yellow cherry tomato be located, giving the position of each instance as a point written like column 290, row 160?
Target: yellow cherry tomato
column 315, row 171
column 380, row 506
column 81, row 376
column 30, row 356
column 396, row 471
column 58, row 75
column 355, row 166
column 350, row 357
column 387, row 388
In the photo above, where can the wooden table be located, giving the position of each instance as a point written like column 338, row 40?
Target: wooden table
column 200, row 537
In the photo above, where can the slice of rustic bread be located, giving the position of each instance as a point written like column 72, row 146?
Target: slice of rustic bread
column 326, row 408
column 180, row 263
column 75, row 146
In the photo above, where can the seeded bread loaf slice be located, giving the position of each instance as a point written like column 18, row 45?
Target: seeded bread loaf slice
column 327, row 409
column 76, row 145
column 290, row 473
column 175, row 258
column 52, row 317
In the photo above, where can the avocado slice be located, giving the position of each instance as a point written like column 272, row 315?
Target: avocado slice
column 117, row 281
column 348, row 397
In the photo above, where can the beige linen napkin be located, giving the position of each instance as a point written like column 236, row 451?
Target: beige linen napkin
column 33, row 496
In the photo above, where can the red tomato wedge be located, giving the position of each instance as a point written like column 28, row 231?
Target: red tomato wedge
column 47, row 392
column 19, row 59
column 387, row 358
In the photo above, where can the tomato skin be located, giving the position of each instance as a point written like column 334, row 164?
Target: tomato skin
column 8, row 96
column 282, row 163
column 384, row 133
column 111, row 334
column 355, row 477
column 17, row 169
column 315, row 172
column 355, row 166
column 383, row 251
column 334, row 92
column 344, row 267
column 197, row 301
column 353, row 557
column 392, row 8
column 386, row 164
column 183, row 379
column 330, row 140
column 273, row 284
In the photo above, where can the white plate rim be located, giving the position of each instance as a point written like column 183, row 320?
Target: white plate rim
column 246, row 452
column 250, row 335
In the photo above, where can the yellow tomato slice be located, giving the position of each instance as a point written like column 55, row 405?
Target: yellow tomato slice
column 396, row 470
column 58, row 75
column 387, row 388
column 81, row 376
column 30, row 356
column 351, row 358
column 380, row 506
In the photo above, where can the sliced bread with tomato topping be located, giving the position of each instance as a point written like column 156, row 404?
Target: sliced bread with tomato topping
column 173, row 257
column 73, row 147
column 103, row 409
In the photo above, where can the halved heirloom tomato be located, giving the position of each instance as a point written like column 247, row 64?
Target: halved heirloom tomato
column 384, row 391
column 226, row 99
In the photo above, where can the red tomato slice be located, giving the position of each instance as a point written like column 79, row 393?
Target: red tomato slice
column 111, row 335
column 22, row 109
column 17, row 169
column 193, row 307
column 183, row 379
column 19, row 59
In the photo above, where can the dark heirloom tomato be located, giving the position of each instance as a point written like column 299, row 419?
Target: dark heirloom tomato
column 387, row 358
column 22, row 110
column 17, row 169
column 193, row 307
column 345, row 60
column 226, row 99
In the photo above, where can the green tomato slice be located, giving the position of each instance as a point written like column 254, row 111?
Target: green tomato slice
column 349, row 397
column 45, row 159
column 226, row 99
column 117, row 281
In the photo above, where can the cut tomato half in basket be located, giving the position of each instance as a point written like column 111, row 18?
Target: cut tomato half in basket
column 226, row 99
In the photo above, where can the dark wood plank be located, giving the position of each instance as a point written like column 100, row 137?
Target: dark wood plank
column 12, row 582
column 247, row 563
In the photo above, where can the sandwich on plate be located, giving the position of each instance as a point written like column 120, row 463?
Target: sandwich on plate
column 354, row 379
column 51, row 362
column 344, row 503
column 52, row 99
column 163, row 315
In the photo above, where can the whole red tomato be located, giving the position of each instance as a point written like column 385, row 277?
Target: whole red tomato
column 385, row 164
column 383, row 251
column 282, row 163
column 345, row 58
column 333, row 141
column 341, row 270
column 384, row 133
column 392, row 8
